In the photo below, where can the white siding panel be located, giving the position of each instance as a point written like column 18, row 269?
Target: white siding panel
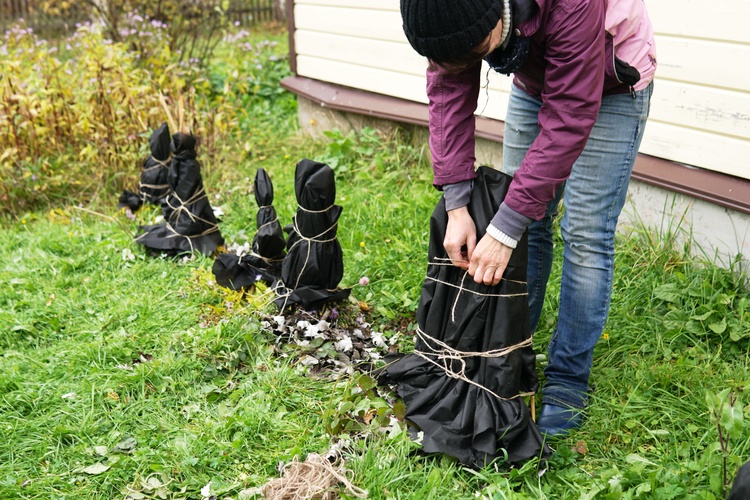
column 392, row 5
column 375, row 24
column 705, row 62
column 701, row 105
column 716, row 152
column 391, row 56
column 715, row 20
column 702, row 108
column 400, row 85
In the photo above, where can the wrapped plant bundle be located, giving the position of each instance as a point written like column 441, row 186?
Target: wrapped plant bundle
column 313, row 266
column 264, row 263
column 190, row 224
column 153, row 186
column 473, row 362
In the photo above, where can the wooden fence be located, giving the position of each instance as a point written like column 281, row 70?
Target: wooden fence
column 244, row 12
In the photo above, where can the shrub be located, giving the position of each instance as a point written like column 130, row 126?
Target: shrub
column 75, row 115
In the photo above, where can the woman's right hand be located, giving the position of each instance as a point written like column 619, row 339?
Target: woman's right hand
column 460, row 237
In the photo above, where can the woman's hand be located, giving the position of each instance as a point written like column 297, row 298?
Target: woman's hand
column 489, row 260
column 460, row 232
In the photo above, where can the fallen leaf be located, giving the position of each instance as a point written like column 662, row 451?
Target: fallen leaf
column 581, row 447
column 96, row 469
column 125, row 446
column 100, row 450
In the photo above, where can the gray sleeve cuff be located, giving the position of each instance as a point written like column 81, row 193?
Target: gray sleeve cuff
column 510, row 222
column 457, row 195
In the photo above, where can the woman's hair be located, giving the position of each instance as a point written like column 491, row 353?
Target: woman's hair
column 462, row 62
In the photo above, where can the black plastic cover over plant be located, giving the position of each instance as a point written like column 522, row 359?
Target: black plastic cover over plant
column 264, row 263
column 190, row 224
column 153, row 186
column 314, row 265
column 474, row 413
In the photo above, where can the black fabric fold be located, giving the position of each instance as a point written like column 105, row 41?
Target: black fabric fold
column 483, row 419
column 190, row 224
column 313, row 265
column 153, row 186
column 238, row 272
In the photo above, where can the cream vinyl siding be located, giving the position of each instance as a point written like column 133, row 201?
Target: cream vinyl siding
column 700, row 113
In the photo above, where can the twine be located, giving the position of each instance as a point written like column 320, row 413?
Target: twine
column 447, row 261
column 268, row 223
column 267, row 260
column 159, row 163
column 189, row 238
column 153, row 186
column 462, row 289
column 300, row 207
column 448, row 354
column 198, row 196
column 314, row 239
column 314, row 478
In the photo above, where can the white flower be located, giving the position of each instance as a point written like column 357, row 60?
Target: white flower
column 206, row 490
column 310, row 329
column 127, row 255
column 378, row 340
column 344, row 345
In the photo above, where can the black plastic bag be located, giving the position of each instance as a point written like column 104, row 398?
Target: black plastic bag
column 314, row 265
column 153, row 186
column 190, row 224
column 467, row 404
column 269, row 241
column 241, row 271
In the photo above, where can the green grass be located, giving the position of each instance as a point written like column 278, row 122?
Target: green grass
column 102, row 346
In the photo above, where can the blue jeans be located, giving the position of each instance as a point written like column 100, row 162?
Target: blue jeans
column 593, row 195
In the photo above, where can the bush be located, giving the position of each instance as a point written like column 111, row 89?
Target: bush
column 75, row 115
column 192, row 28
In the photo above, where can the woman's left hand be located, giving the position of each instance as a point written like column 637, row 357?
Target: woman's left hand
column 489, row 260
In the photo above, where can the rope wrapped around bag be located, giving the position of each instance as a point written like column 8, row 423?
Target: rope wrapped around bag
column 159, row 164
column 182, row 207
column 314, row 239
column 446, row 354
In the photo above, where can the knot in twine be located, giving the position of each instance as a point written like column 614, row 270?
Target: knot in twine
column 316, row 477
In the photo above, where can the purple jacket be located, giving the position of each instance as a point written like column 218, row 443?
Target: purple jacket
column 570, row 66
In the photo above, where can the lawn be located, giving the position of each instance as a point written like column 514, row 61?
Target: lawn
column 123, row 374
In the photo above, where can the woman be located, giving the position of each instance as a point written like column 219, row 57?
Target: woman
column 582, row 85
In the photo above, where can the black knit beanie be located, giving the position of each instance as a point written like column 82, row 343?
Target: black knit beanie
column 445, row 29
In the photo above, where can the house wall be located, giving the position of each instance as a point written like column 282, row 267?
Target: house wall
column 700, row 110
column 701, row 105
